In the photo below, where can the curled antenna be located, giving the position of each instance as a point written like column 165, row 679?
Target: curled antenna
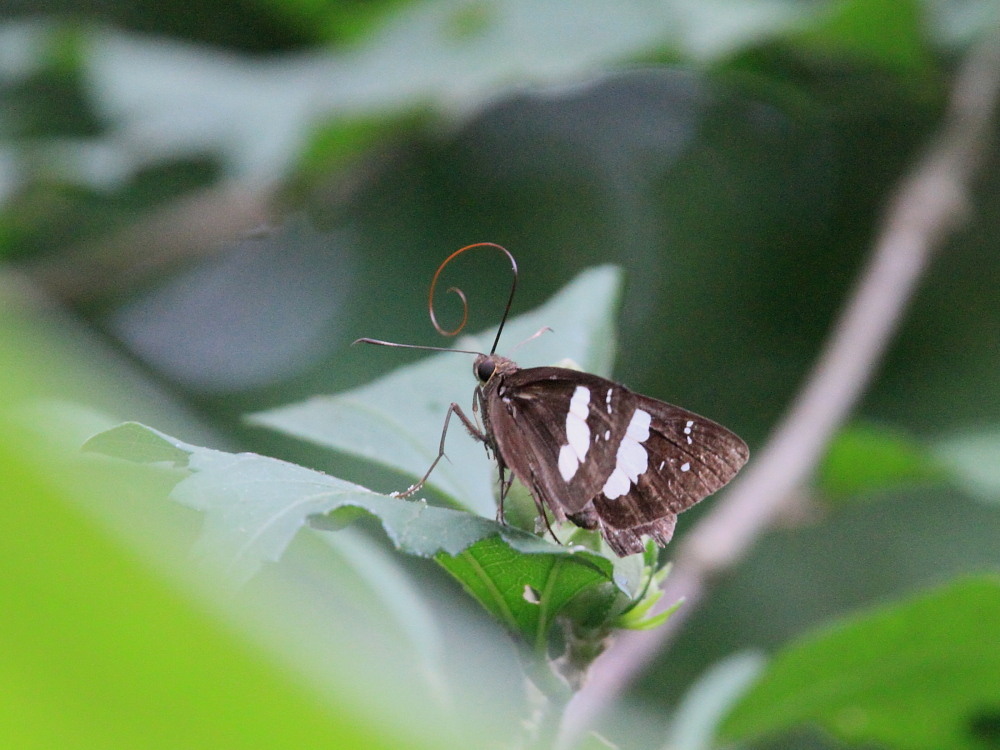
column 461, row 294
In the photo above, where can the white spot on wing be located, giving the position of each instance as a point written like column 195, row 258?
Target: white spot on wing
column 568, row 463
column 577, row 431
column 578, row 435
column 574, row 452
column 632, row 459
column 638, row 428
column 607, row 399
column 580, row 401
column 607, row 434
column 686, row 466
column 617, row 484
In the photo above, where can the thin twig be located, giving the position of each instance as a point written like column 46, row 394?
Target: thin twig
column 186, row 229
column 928, row 204
column 180, row 230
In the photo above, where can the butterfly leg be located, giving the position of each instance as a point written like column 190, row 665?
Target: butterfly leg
column 469, row 425
column 543, row 514
column 506, row 480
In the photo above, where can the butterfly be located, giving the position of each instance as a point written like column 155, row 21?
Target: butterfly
column 588, row 449
column 593, row 452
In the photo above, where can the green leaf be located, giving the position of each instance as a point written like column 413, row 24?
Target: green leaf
column 397, row 420
column 527, row 592
column 922, row 673
column 866, row 458
column 444, row 58
column 140, row 444
column 973, row 460
column 254, row 506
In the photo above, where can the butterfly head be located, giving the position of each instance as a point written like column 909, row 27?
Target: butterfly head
column 488, row 365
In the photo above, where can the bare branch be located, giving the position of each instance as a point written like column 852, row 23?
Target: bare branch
column 928, row 204
column 184, row 229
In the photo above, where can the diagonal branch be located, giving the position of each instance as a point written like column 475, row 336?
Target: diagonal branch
column 929, row 203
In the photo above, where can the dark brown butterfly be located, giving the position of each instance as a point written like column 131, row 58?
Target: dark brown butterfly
column 589, row 449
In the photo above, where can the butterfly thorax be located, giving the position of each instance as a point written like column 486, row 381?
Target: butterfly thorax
column 491, row 370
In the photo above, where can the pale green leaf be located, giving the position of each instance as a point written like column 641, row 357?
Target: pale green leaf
column 973, row 459
column 867, row 458
column 255, row 505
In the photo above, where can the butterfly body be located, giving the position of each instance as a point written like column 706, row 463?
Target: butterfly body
column 594, row 452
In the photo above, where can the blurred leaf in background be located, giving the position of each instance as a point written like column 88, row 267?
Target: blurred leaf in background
column 867, row 458
column 919, row 674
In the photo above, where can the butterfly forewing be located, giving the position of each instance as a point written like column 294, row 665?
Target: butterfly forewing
column 696, row 456
column 690, row 458
column 553, row 428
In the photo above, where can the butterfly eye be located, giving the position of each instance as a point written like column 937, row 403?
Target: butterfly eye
column 485, row 370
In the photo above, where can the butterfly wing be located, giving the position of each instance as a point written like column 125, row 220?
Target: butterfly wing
column 553, row 426
column 605, row 457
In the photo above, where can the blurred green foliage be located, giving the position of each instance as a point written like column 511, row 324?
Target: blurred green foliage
column 919, row 674
column 864, row 459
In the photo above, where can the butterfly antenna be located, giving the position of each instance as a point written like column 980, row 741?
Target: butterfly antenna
column 379, row 342
column 461, row 294
column 532, row 337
